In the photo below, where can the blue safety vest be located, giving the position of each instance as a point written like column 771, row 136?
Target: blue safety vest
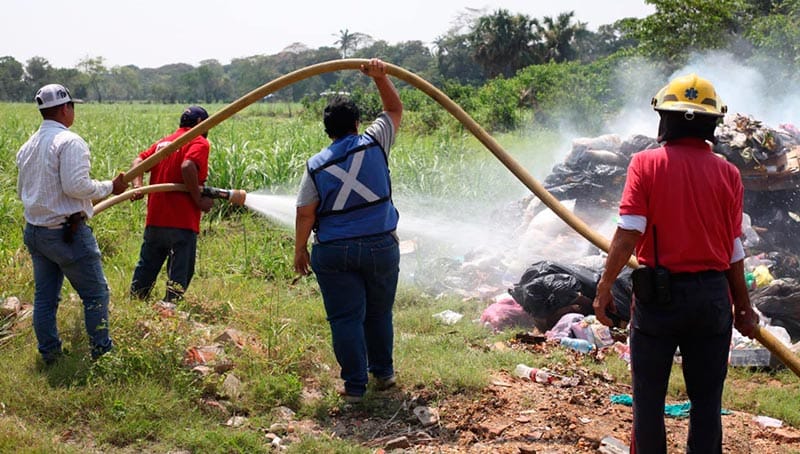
column 352, row 179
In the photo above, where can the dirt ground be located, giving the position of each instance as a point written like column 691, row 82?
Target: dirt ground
column 512, row 415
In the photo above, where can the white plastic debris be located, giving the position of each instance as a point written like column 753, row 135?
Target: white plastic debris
column 448, row 317
column 766, row 421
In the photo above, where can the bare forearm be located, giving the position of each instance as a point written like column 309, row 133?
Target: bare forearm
column 191, row 180
column 138, row 181
column 738, row 286
column 304, row 223
column 622, row 246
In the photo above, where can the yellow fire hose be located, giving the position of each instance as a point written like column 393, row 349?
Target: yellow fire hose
column 234, row 196
column 764, row 337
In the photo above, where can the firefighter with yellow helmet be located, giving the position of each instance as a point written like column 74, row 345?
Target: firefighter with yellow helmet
column 681, row 213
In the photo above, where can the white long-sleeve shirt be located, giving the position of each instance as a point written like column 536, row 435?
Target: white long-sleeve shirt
column 54, row 179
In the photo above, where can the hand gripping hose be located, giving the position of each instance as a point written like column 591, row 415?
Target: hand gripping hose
column 763, row 336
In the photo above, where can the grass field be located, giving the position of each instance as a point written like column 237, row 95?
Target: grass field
column 142, row 398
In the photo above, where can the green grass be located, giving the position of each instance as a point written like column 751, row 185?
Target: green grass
column 141, row 397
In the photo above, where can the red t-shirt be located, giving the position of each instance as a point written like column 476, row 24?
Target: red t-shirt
column 176, row 208
column 695, row 200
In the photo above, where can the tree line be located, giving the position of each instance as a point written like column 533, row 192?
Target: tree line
column 480, row 50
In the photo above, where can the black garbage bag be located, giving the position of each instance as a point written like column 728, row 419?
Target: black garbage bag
column 548, row 290
column 780, row 301
column 593, row 182
column 637, row 143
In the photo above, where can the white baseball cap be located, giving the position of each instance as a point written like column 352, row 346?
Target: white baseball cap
column 52, row 95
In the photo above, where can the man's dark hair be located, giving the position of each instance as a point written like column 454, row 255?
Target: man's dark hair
column 50, row 113
column 340, row 117
column 674, row 125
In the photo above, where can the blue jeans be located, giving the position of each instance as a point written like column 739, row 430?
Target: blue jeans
column 358, row 281
column 80, row 262
column 699, row 321
column 178, row 247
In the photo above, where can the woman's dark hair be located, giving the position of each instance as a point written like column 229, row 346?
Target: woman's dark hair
column 675, row 125
column 340, row 117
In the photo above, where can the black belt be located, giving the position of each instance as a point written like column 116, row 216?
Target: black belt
column 697, row 276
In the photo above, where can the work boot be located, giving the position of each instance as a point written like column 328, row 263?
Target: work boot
column 350, row 398
column 382, row 384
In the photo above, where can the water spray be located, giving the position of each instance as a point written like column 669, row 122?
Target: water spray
column 234, row 196
column 765, row 337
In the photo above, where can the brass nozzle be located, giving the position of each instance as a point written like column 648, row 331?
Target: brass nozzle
column 237, row 197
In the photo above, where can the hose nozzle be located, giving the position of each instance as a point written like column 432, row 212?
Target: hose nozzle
column 234, row 196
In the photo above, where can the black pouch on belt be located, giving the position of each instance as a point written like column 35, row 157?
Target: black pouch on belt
column 652, row 285
column 69, row 227
column 644, row 284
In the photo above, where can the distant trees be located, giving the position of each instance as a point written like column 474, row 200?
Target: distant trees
column 95, row 72
column 559, row 37
column 348, row 42
column 680, row 27
column 502, row 43
column 777, row 32
column 481, row 48
column 12, row 83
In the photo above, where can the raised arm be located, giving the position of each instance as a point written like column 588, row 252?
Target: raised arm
column 390, row 99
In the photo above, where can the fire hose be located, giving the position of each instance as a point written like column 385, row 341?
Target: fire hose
column 234, row 196
column 763, row 336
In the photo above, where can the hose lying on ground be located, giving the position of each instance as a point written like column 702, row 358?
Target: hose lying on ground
column 763, row 336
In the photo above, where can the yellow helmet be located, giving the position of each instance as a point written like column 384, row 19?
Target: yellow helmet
column 691, row 94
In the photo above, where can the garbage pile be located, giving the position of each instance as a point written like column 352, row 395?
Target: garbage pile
column 593, row 175
column 751, row 146
column 552, row 271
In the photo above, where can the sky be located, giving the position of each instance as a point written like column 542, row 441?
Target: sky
column 149, row 33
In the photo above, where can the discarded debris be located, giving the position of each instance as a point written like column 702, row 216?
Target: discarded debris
column 427, row 416
column 448, row 317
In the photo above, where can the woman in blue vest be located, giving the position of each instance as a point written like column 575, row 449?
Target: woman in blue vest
column 345, row 198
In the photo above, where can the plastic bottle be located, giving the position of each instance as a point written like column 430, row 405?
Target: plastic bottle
column 532, row 373
column 523, row 371
column 580, row 345
column 542, row 376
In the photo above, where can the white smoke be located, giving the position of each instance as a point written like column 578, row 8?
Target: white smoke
column 745, row 88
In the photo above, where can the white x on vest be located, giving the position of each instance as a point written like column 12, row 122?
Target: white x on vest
column 350, row 182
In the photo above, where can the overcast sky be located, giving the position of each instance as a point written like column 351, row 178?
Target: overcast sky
column 149, row 33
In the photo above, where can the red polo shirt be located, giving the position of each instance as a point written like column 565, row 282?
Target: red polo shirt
column 176, row 208
column 695, row 200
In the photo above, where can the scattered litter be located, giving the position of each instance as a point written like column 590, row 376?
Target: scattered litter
column 611, row 445
column 236, row 421
column 672, row 410
column 766, row 421
column 427, row 416
column 579, row 345
column 448, row 317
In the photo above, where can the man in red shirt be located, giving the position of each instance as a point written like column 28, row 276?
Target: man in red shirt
column 681, row 211
column 173, row 218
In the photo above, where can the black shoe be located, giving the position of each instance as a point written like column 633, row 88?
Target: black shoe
column 53, row 357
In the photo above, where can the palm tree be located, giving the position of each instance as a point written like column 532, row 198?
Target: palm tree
column 502, row 43
column 345, row 42
column 560, row 36
column 349, row 42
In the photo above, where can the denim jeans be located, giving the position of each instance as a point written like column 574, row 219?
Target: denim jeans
column 698, row 319
column 178, row 247
column 358, row 281
column 80, row 262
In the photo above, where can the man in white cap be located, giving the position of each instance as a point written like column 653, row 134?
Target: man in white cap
column 57, row 194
